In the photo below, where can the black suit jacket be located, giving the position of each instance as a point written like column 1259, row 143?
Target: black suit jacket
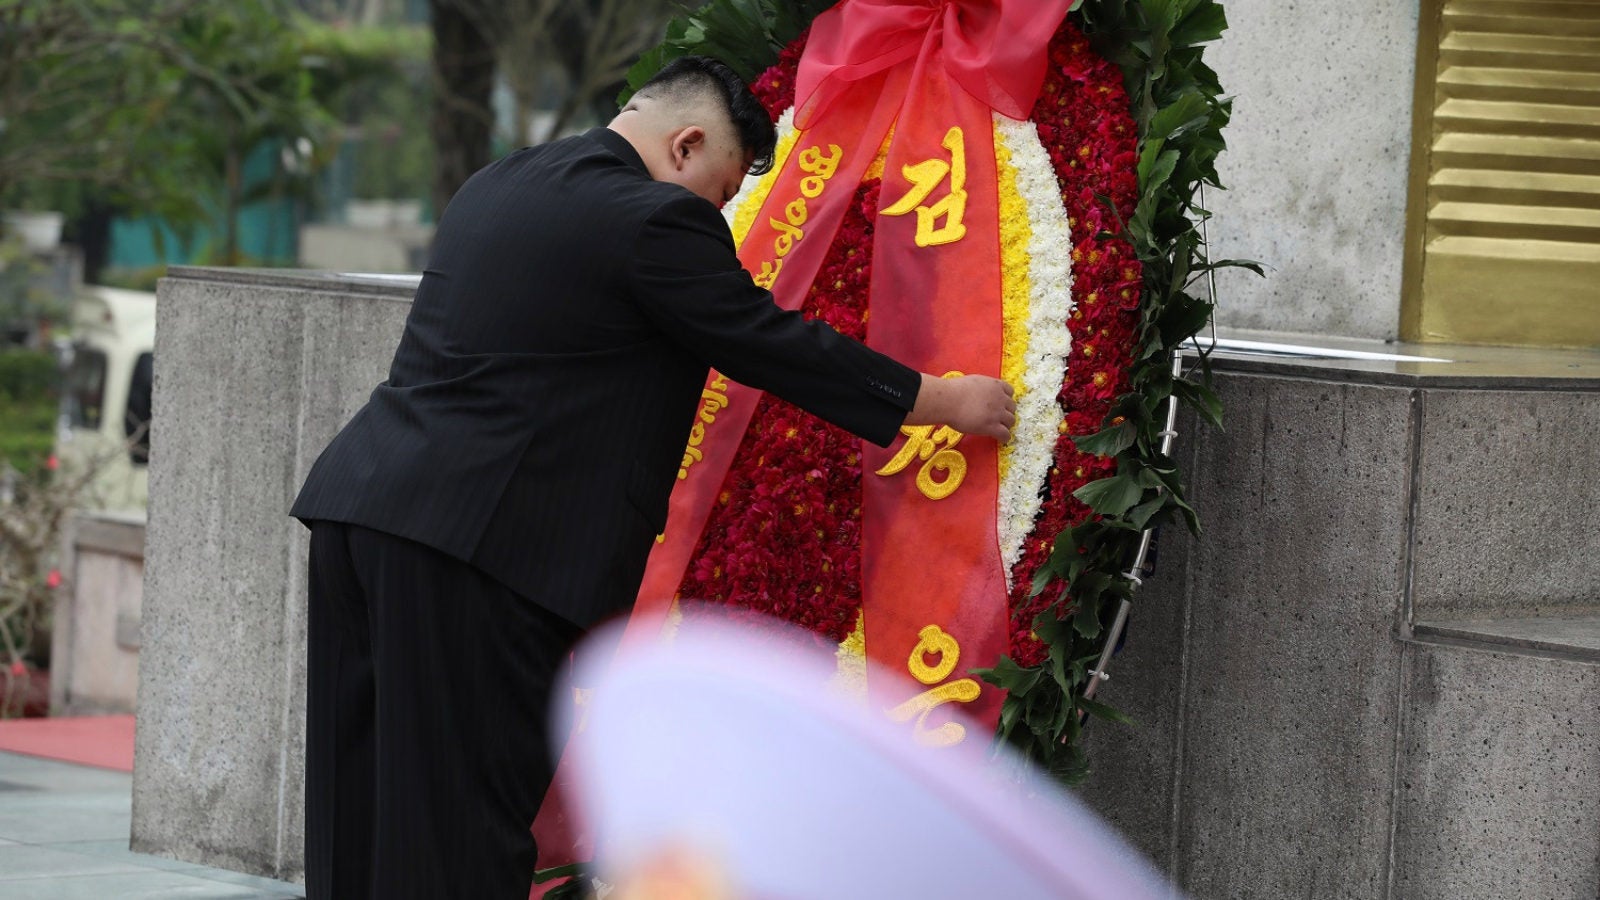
column 539, row 402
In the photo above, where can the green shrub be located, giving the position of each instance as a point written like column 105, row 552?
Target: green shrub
column 27, row 408
column 27, row 376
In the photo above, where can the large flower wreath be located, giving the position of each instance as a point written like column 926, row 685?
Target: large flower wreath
column 1099, row 243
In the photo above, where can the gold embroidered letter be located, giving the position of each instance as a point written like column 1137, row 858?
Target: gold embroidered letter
column 924, row 177
column 933, row 639
column 715, row 400
column 788, row 236
column 768, row 276
column 922, row 441
column 963, row 690
column 795, row 212
column 812, row 160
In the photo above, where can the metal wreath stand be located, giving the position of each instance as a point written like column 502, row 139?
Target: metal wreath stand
column 1141, row 567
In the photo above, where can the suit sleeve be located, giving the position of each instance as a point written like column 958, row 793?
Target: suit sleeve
column 687, row 280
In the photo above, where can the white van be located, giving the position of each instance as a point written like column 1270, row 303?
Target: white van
column 105, row 401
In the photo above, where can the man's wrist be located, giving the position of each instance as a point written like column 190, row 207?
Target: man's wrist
column 933, row 400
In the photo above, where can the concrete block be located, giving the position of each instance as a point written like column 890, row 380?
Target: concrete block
column 207, row 762
column 1274, row 755
column 1290, row 691
column 346, row 351
column 1319, row 195
column 252, row 370
column 1506, row 492
column 1500, row 759
column 95, row 641
column 344, row 248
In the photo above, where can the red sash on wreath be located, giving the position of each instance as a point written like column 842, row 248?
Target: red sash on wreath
column 933, row 585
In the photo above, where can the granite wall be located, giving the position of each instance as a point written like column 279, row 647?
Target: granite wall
column 255, row 372
column 1317, row 164
column 94, row 630
column 1296, row 735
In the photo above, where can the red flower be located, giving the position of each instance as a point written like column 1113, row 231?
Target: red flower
column 787, row 539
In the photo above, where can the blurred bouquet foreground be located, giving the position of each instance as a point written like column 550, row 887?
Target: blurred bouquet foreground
column 723, row 763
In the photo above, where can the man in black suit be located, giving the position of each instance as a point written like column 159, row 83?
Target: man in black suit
column 500, row 491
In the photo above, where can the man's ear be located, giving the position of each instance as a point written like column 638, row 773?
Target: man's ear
column 687, row 140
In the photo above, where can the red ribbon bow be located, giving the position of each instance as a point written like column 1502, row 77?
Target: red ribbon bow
column 994, row 49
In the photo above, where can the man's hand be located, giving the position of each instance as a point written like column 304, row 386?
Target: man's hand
column 971, row 404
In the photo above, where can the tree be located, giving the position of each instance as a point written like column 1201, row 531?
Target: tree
column 75, row 91
column 153, row 105
column 593, row 43
column 244, row 82
column 580, row 51
column 463, row 73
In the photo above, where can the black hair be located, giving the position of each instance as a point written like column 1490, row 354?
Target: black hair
column 693, row 74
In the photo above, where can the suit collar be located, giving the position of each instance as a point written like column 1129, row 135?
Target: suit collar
column 619, row 146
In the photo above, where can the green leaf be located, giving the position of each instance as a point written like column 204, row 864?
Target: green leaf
column 1050, row 629
column 1089, row 588
column 1102, row 711
column 1041, row 577
column 1145, row 476
column 1147, row 161
column 1110, row 496
column 1156, row 177
column 1206, row 22
column 1058, row 671
column 1109, row 441
column 1175, row 494
column 1201, row 399
column 1139, row 517
column 1250, row 264
column 1040, row 713
column 1067, row 544
column 570, row 870
column 1183, row 321
column 1010, row 711
column 1086, row 621
column 1188, row 111
column 1009, row 676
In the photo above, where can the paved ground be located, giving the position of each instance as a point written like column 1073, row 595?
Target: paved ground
column 64, row 836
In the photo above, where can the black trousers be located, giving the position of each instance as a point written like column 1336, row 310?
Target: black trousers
column 427, row 753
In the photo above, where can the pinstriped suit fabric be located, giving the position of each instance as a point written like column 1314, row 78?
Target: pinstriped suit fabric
column 539, row 401
column 502, row 488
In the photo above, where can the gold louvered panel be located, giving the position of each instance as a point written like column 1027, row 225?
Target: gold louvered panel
column 1511, row 241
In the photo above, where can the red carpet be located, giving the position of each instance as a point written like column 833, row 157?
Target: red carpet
column 104, row 741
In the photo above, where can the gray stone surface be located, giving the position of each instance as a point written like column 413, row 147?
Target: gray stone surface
column 1291, row 703
column 1507, row 493
column 249, row 375
column 346, row 248
column 1316, row 165
column 64, row 836
column 1294, row 740
column 1499, row 778
column 1574, row 637
column 1456, row 366
column 1311, row 753
column 94, row 654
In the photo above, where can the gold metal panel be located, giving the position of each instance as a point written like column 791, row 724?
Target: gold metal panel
column 1503, row 222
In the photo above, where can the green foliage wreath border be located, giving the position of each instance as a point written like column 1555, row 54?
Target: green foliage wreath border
column 1180, row 111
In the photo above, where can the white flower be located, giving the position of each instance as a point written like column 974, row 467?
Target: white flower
column 1049, row 304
